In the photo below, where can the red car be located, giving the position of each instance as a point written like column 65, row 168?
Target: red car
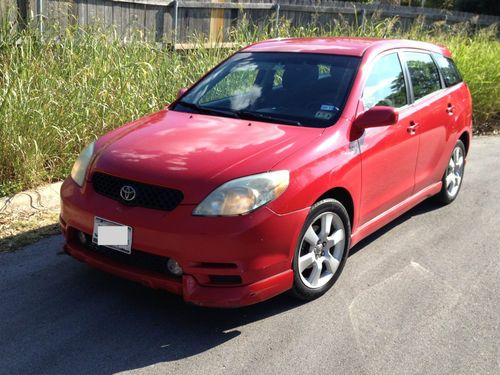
column 259, row 178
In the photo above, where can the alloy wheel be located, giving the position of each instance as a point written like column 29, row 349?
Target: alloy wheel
column 321, row 250
column 455, row 171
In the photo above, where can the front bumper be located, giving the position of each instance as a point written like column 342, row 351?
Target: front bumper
column 227, row 261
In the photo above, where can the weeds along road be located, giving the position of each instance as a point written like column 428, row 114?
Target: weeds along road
column 419, row 296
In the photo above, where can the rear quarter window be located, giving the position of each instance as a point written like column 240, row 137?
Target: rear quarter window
column 448, row 69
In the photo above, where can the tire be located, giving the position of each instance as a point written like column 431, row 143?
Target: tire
column 453, row 175
column 321, row 254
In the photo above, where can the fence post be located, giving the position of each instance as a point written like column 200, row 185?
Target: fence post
column 39, row 11
column 363, row 19
column 175, row 20
column 277, row 20
column 216, row 24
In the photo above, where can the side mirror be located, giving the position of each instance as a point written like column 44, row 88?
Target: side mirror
column 181, row 92
column 377, row 116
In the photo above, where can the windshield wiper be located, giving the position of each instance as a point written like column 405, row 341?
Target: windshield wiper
column 248, row 115
column 207, row 110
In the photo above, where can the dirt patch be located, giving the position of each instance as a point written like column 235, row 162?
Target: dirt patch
column 29, row 216
column 21, row 229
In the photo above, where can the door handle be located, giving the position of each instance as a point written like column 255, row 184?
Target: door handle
column 412, row 129
column 450, row 109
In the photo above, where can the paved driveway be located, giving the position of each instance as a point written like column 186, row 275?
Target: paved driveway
column 420, row 296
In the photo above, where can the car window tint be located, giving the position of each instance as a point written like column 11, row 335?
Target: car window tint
column 448, row 70
column 423, row 73
column 385, row 85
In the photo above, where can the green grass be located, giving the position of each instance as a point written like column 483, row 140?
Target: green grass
column 59, row 94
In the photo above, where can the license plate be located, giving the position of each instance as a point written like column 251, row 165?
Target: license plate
column 116, row 236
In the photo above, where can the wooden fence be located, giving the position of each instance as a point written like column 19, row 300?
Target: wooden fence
column 175, row 21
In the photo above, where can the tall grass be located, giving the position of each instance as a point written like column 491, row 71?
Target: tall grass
column 58, row 94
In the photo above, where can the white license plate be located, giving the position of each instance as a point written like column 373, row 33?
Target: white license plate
column 116, row 236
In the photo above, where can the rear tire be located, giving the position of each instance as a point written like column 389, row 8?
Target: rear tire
column 322, row 249
column 453, row 176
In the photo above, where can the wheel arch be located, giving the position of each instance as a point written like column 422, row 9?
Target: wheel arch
column 343, row 196
column 465, row 138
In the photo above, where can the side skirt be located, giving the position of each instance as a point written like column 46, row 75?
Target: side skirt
column 393, row 212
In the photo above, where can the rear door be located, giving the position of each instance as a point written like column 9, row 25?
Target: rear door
column 388, row 153
column 432, row 103
column 459, row 105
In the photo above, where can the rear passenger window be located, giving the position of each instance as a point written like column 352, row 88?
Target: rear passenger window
column 386, row 84
column 448, row 70
column 423, row 73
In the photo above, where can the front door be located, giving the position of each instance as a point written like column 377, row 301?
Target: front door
column 388, row 153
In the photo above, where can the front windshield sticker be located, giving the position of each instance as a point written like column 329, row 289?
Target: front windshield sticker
column 323, row 115
column 328, row 107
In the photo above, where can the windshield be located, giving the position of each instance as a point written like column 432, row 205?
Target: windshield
column 300, row 89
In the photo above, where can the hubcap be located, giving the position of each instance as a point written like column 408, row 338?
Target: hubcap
column 321, row 250
column 455, row 172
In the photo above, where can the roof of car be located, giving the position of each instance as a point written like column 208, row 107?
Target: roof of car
column 340, row 45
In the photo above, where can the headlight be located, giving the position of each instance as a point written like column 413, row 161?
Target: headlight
column 81, row 164
column 244, row 194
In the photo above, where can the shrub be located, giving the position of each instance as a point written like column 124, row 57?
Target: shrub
column 58, row 94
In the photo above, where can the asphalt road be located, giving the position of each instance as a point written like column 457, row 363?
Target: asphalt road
column 420, row 296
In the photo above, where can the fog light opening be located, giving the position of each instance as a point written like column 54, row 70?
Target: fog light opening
column 174, row 268
column 82, row 238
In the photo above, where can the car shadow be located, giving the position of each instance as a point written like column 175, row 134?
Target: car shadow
column 88, row 321
column 94, row 322
column 422, row 208
column 176, row 330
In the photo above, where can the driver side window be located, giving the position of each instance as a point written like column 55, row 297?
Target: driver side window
column 386, row 84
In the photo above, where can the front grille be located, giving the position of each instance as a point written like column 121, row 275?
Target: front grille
column 138, row 259
column 148, row 196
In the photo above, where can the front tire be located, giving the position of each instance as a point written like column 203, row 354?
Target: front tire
column 453, row 176
column 322, row 249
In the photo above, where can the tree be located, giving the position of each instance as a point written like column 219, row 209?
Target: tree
column 440, row 4
column 390, row 2
column 479, row 6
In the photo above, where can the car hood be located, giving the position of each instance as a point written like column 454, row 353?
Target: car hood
column 195, row 153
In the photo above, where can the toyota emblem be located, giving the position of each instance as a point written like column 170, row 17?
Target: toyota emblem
column 127, row 193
